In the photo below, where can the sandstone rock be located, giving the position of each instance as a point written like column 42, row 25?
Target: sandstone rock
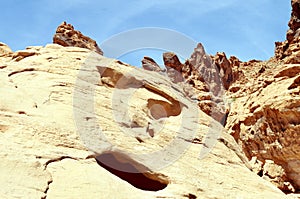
column 276, row 174
column 173, row 66
column 289, row 50
column 234, row 61
column 200, row 69
column 66, row 35
column 203, row 65
column 264, row 111
column 5, row 50
column 174, row 75
column 149, row 64
column 200, row 78
column 172, row 61
column 225, row 68
column 264, row 119
column 262, row 107
column 21, row 54
column 294, row 22
column 56, row 100
column 132, row 132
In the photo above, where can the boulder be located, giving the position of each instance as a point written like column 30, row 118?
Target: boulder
column 149, row 64
column 66, row 35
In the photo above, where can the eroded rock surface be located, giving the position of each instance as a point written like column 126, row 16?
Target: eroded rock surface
column 261, row 106
column 66, row 35
column 201, row 80
column 264, row 111
column 52, row 102
column 264, row 119
column 289, row 50
column 5, row 50
column 75, row 124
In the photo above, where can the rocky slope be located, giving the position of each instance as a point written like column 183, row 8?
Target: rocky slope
column 76, row 124
column 45, row 158
column 257, row 102
column 264, row 120
column 261, row 111
column 264, row 114
column 288, row 51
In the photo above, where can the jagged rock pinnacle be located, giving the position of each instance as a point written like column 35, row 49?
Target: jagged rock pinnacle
column 66, row 35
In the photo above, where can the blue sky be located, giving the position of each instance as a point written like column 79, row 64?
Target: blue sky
column 246, row 29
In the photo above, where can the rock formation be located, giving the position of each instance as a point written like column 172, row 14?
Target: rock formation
column 289, row 50
column 66, row 35
column 76, row 124
column 173, row 66
column 264, row 112
column 262, row 103
column 149, row 64
column 228, row 68
column 5, row 50
column 264, row 119
column 172, row 61
column 201, row 80
column 45, row 158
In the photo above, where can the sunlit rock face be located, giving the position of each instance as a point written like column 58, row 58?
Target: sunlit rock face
column 74, row 123
column 289, row 50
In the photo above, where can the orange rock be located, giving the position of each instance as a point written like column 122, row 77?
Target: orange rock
column 289, row 50
column 66, row 35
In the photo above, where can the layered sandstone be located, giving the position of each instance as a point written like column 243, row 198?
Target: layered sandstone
column 264, row 119
column 52, row 146
column 76, row 124
column 257, row 101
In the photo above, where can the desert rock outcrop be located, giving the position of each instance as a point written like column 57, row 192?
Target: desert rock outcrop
column 264, row 111
column 149, row 64
column 76, row 124
column 5, row 50
column 66, row 35
column 257, row 101
column 289, row 50
column 138, row 111
column 264, row 119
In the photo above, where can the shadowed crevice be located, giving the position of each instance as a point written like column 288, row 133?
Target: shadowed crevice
column 127, row 170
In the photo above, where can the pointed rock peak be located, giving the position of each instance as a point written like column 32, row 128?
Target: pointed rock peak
column 225, row 67
column 199, row 57
column 66, row 35
column 198, row 51
column 200, row 48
